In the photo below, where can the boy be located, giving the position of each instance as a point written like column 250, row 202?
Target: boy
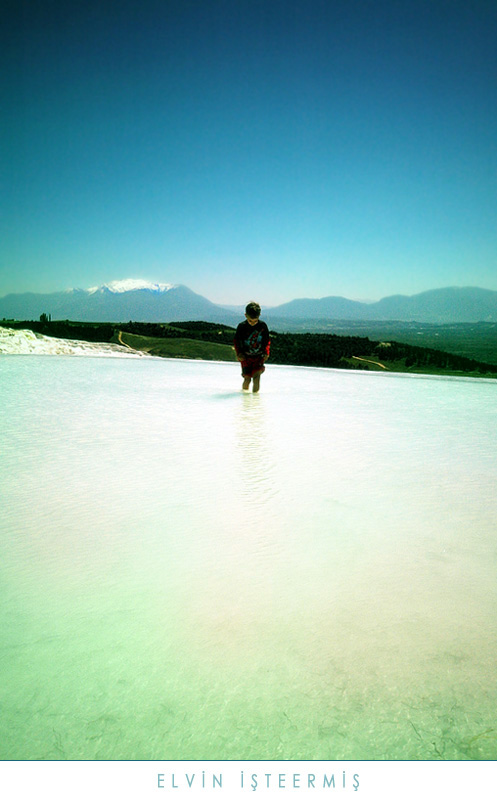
column 252, row 346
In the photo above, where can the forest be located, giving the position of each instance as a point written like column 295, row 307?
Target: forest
column 298, row 349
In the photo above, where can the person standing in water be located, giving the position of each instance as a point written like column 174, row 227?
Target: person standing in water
column 252, row 346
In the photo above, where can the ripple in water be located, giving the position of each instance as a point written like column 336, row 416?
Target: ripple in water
column 190, row 572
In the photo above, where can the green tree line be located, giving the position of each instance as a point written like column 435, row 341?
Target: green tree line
column 298, row 349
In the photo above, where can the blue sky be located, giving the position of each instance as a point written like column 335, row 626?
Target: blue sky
column 250, row 149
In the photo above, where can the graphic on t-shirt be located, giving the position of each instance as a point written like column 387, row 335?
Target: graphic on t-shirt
column 254, row 342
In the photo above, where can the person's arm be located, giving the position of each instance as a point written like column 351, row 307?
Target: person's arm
column 267, row 344
column 237, row 346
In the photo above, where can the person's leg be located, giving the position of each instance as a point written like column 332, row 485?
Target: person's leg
column 246, row 384
column 256, row 383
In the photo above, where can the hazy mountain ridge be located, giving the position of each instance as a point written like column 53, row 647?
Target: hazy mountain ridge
column 452, row 304
column 105, row 304
column 146, row 302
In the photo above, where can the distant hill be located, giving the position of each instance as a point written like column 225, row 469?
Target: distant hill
column 440, row 306
column 117, row 302
column 178, row 347
column 122, row 301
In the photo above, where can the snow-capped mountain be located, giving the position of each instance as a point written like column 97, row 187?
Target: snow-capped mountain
column 119, row 301
column 131, row 285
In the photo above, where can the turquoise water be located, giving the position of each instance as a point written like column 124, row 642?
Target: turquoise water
column 190, row 572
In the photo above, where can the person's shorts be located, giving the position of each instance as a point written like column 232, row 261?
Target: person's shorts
column 252, row 365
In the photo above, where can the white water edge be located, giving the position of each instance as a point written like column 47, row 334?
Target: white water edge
column 193, row 572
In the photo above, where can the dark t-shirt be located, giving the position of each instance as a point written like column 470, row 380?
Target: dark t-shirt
column 252, row 340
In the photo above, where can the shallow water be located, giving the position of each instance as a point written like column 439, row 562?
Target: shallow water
column 191, row 572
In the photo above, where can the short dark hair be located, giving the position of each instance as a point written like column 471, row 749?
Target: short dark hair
column 253, row 310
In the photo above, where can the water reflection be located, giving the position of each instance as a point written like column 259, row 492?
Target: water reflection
column 257, row 464
column 236, row 587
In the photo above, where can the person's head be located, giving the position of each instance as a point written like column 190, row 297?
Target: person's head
column 252, row 313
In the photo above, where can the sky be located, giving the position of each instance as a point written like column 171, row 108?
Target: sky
column 260, row 149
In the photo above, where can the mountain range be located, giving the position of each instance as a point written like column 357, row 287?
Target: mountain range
column 141, row 301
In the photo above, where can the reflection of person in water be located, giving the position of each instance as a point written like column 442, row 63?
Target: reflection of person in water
column 252, row 346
